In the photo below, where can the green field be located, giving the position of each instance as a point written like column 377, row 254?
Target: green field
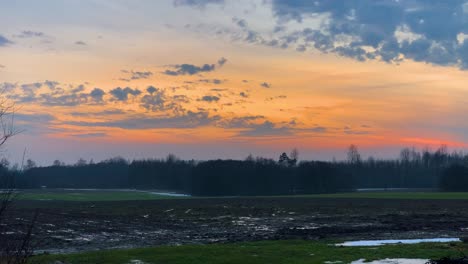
column 397, row 195
column 291, row 252
column 88, row 195
column 130, row 195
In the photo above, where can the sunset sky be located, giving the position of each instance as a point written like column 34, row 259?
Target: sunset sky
column 221, row 79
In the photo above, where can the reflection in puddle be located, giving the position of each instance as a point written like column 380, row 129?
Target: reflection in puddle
column 392, row 261
column 361, row 243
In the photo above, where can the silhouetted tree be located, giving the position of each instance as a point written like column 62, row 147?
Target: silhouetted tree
column 283, row 159
column 30, row 164
column 353, row 155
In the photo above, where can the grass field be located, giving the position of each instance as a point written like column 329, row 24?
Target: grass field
column 291, row 252
column 88, row 195
column 130, row 195
column 397, row 195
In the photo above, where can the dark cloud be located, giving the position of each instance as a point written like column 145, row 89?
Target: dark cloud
column 57, row 96
column 32, row 123
column 73, row 99
column 30, row 34
column 156, row 101
column 187, row 120
column 387, row 30
column 210, row 98
column 51, row 84
column 265, row 85
column 318, row 129
column 8, row 87
column 276, row 97
column 266, row 128
column 213, row 81
column 97, row 94
column 122, row 94
column 89, row 135
column 4, row 41
column 242, row 122
column 109, row 112
column 79, row 88
column 197, row 3
column 151, row 89
column 222, row 61
column 350, row 131
column 136, row 75
column 243, row 94
column 190, row 69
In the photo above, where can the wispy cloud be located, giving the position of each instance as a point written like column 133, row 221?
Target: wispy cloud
column 190, row 69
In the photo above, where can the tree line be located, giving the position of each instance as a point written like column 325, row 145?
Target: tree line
column 253, row 175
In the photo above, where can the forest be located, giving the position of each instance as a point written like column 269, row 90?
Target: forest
column 437, row 169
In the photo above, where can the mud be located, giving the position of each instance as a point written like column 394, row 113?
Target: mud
column 81, row 226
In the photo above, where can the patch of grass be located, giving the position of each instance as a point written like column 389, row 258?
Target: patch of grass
column 88, row 195
column 291, row 252
column 396, row 195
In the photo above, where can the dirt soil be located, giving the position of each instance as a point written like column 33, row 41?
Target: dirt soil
column 81, row 226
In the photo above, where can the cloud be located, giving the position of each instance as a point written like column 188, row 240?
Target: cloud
column 187, row 120
column 51, row 84
column 265, row 85
column 190, row 69
column 89, row 135
column 318, row 129
column 136, row 75
column 7, row 87
column 276, row 97
column 73, row 99
column 349, row 131
column 97, row 94
column 155, row 100
column 212, row 81
column 32, row 123
column 210, row 98
column 30, row 34
column 54, row 96
column 4, row 41
column 242, row 122
column 266, row 128
column 222, row 61
column 122, row 94
column 390, row 31
column 196, row 3
column 243, row 94
column 81, row 43
column 109, row 112
column 151, row 89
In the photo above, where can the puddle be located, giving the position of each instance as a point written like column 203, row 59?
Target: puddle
column 392, row 261
column 136, row 261
column 170, row 194
column 367, row 243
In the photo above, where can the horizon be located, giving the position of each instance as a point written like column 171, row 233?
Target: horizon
column 224, row 79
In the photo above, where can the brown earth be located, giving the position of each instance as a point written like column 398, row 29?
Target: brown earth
column 80, row 226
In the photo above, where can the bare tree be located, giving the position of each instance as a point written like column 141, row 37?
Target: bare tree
column 15, row 238
column 353, row 155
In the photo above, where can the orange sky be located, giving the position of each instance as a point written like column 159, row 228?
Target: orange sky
column 263, row 99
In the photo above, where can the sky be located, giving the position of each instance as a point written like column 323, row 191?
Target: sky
column 206, row 79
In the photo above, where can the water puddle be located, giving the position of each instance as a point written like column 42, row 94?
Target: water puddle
column 392, row 261
column 368, row 243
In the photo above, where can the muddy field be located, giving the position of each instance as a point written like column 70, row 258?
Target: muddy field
column 80, row 226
